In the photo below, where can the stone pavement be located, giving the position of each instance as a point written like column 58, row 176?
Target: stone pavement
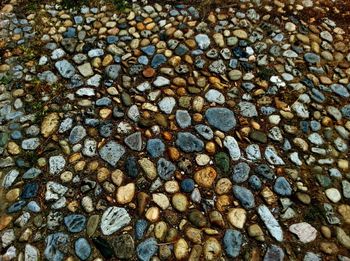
column 159, row 134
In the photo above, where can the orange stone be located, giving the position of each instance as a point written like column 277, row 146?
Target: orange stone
column 5, row 221
column 148, row 72
column 205, row 177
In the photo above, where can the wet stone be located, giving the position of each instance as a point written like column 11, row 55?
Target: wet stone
column 155, row 148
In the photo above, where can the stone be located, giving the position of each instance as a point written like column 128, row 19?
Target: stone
column 240, row 172
column 205, row 177
column 282, row 187
column 75, row 223
column 155, row 147
column 183, row 118
column 212, row 249
column 237, row 217
column 146, row 249
column 134, row 141
column 125, row 193
column 221, row 118
column 77, row 134
column 65, row 68
column 50, row 124
column 333, row 195
column 55, row 243
column 270, row 222
column 167, row 104
column 56, row 164
column 188, row 142
column 232, row 242
column 123, row 246
column 82, row 248
column 247, row 109
column 203, row 41
column 111, row 152
column 274, row 253
column 165, row 169
column 305, row 232
column 342, row 237
column 113, row 219
column 233, row 148
column 245, row 196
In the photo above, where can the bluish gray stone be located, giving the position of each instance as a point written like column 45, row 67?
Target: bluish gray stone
column 312, row 58
column 183, row 118
column 112, row 71
column 247, row 109
column 112, row 152
column 205, row 131
column 77, row 134
column 65, row 68
column 282, row 187
column 188, row 142
column 113, row 219
column 274, row 253
column 240, row 172
column 146, row 249
column 340, row 90
column 165, row 169
column 245, row 196
column 54, row 245
column 265, row 171
column 82, row 248
column 203, row 41
column 75, row 223
column 221, row 118
column 155, row 148
column 30, row 144
column 270, row 222
column 232, row 242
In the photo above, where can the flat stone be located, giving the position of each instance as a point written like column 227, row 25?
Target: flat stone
column 183, row 118
column 165, row 169
column 240, row 172
column 221, row 118
column 282, row 187
column 75, row 223
column 113, row 219
column 271, row 223
column 305, row 232
column 77, row 134
column 233, row 148
column 56, row 164
column 82, row 248
column 188, row 142
column 146, row 249
column 134, row 141
column 245, row 196
column 65, row 68
column 203, row 41
column 155, row 148
column 247, row 109
column 112, row 152
column 55, row 243
column 232, row 242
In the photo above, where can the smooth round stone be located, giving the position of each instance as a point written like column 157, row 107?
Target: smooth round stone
column 82, row 248
column 215, row 96
column 188, row 142
column 333, row 195
column 232, row 242
column 221, row 118
column 203, row 41
column 282, row 187
column 240, row 172
column 305, row 232
column 75, row 223
column 212, row 249
column 245, row 196
column 187, row 185
column 312, row 58
column 183, row 118
column 146, row 249
column 180, row 202
column 155, row 147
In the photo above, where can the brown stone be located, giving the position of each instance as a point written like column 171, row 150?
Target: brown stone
column 205, row 177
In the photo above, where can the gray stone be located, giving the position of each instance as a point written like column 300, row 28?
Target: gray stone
column 282, row 187
column 55, row 243
column 240, row 172
column 231, row 144
column 183, row 118
column 56, row 164
column 245, row 197
column 134, row 141
column 205, row 131
column 270, row 222
column 165, row 169
column 113, row 219
column 203, row 41
column 112, row 71
column 215, row 96
column 188, row 142
column 112, row 152
column 221, row 118
column 30, row 144
column 77, row 134
column 65, row 68
column 247, row 109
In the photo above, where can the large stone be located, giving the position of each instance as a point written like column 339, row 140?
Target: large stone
column 50, row 124
column 55, row 243
column 270, row 222
column 233, row 148
column 113, row 219
column 221, row 118
column 65, row 68
column 305, row 232
column 112, row 152
column 123, row 246
column 146, row 249
column 188, row 142
column 232, row 242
